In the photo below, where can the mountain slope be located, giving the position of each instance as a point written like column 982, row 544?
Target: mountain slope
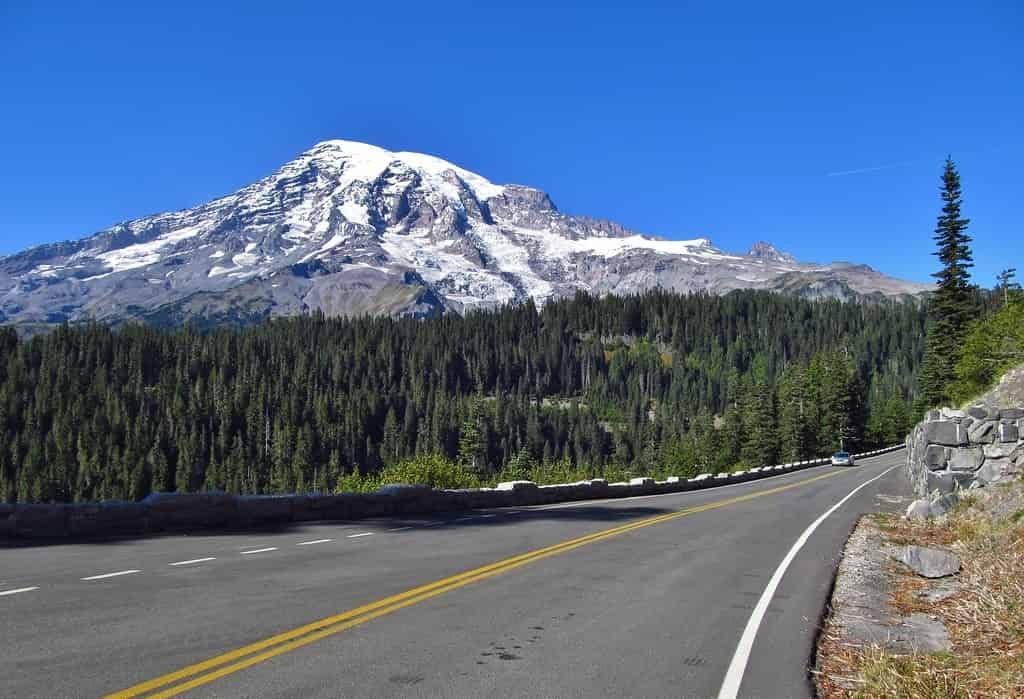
column 350, row 228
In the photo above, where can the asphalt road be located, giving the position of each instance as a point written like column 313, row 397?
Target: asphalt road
column 654, row 606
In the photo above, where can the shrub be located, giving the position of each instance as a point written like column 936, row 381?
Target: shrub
column 433, row 470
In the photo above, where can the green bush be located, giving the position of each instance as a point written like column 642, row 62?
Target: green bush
column 993, row 345
column 433, row 470
column 356, row 482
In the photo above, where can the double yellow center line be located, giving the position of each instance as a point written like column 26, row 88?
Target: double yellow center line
column 207, row 671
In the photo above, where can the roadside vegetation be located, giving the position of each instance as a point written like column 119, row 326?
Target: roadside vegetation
column 441, row 472
column 992, row 345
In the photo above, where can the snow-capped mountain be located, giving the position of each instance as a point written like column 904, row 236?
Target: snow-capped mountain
column 350, row 228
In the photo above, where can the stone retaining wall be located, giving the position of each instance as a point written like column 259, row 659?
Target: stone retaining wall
column 959, row 449
column 163, row 512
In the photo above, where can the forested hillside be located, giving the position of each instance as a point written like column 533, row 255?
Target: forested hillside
column 658, row 383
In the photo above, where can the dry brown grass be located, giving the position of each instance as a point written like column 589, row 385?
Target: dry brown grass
column 985, row 618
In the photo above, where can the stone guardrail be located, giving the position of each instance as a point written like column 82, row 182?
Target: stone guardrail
column 176, row 512
column 960, row 449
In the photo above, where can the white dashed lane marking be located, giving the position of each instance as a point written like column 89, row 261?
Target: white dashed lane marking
column 112, row 575
column 315, row 541
column 14, row 592
column 356, row 536
column 270, row 548
column 194, row 560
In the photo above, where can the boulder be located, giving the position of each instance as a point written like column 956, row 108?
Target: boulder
column 943, row 432
column 926, row 633
column 952, row 413
column 1008, row 432
column 943, row 504
column 641, row 480
column 992, row 471
column 999, row 450
column 935, row 457
column 1017, row 457
column 1011, row 413
column 928, row 562
column 982, row 431
column 933, row 415
column 947, row 481
column 966, row 459
column 919, row 509
column 978, row 412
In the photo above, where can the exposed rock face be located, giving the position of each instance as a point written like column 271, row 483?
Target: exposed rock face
column 349, row 228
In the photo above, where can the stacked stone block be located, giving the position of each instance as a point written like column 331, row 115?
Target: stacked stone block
column 960, row 449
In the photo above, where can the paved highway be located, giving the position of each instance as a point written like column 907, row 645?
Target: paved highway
column 660, row 596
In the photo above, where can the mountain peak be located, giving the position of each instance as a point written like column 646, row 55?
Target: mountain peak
column 365, row 161
column 762, row 250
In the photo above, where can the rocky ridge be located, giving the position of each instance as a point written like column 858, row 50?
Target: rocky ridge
column 349, row 228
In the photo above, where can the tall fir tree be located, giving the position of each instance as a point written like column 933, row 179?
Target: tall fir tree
column 951, row 305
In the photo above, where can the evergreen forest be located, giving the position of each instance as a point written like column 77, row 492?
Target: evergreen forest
column 652, row 384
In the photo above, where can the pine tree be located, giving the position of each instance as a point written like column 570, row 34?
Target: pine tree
column 951, row 305
column 471, row 438
column 1007, row 284
column 794, row 406
column 758, row 405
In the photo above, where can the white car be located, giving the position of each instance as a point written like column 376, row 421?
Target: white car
column 842, row 458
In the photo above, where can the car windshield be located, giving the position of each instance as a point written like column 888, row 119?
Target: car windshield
column 842, row 454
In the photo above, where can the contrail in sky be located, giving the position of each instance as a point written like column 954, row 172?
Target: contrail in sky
column 862, row 170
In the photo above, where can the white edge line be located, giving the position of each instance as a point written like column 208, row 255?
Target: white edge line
column 734, row 675
column 356, row 536
column 20, row 589
column 194, row 560
column 315, row 541
column 111, row 575
column 399, row 529
column 246, row 553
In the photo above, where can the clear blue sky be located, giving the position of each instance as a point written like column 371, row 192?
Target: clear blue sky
column 718, row 119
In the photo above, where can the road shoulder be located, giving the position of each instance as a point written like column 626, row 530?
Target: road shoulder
column 930, row 607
